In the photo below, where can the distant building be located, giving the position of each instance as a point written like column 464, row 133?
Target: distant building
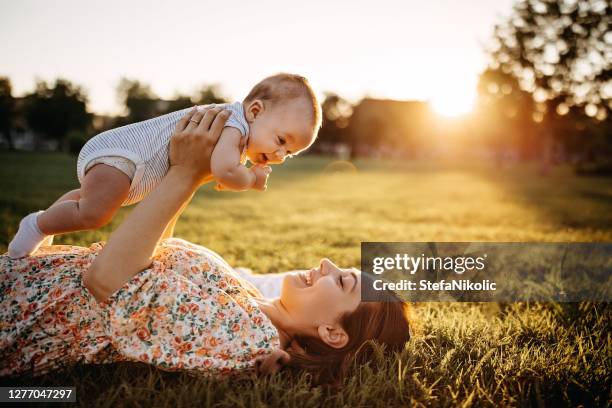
column 382, row 127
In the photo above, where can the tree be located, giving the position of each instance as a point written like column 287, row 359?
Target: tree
column 7, row 110
column 209, row 94
column 55, row 111
column 505, row 114
column 179, row 102
column 559, row 49
column 138, row 99
column 336, row 113
column 142, row 103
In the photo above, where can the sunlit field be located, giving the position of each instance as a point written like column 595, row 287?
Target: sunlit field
column 464, row 354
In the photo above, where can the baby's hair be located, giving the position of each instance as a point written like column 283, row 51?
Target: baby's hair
column 283, row 87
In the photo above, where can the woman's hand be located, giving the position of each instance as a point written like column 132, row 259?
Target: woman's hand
column 193, row 142
column 272, row 363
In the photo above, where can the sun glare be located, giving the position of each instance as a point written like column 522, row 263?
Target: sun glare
column 453, row 101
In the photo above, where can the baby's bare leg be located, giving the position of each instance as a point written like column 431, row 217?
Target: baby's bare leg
column 71, row 195
column 103, row 190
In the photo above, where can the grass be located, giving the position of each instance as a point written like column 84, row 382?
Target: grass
column 465, row 354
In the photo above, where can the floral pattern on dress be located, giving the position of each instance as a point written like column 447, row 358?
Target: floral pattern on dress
column 189, row 311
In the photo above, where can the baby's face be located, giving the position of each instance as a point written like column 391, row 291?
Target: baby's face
column 282, row 130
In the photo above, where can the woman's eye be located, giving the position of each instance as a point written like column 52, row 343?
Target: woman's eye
column 341, row 282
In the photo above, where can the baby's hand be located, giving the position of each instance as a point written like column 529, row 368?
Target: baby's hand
column 261, row 176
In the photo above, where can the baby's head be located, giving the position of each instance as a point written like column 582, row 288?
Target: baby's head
column 284, row 117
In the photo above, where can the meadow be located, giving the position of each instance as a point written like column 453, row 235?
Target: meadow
column 464, row 354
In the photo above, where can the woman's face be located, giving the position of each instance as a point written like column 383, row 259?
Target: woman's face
column 320, row 296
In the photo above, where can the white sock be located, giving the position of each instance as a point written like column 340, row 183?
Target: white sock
column 28, row 237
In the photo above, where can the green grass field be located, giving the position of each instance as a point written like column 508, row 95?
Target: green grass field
column 465, row 354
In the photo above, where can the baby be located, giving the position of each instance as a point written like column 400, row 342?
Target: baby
column 279, row 118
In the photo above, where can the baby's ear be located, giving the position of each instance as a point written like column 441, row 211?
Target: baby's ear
column 254, row 109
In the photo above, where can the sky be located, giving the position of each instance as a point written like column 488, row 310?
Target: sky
column 425, row 50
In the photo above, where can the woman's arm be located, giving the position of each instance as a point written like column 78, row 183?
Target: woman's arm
column 131, row 246
column 169, row 231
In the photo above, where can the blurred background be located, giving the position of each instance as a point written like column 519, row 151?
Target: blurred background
column 481, row 105
column 499, row 81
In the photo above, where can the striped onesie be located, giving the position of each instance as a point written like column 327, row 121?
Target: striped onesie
column 141, row 150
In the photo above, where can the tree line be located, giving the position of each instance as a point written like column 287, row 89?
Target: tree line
column 547, row 86
column 58, row 111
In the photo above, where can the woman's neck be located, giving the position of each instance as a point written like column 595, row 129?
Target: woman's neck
column 276, row 312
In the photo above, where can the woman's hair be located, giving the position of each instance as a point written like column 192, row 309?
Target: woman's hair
column 386, row 323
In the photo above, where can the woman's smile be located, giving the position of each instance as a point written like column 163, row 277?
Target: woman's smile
column 306, row 277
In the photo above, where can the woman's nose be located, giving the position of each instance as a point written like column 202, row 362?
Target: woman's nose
column 326, row 266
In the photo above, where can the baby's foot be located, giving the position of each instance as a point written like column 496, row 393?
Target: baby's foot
column 28, row 237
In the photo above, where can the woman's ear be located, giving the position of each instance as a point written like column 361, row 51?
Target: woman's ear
column 333, row 336
column 254, row 109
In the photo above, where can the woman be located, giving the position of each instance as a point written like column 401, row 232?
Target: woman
column 147, row 297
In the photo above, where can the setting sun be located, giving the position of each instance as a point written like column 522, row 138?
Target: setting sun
column 454, row 101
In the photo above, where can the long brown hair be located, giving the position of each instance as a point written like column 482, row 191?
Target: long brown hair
column 386, row 323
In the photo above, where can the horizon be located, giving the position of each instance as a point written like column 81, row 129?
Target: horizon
column 324, row 42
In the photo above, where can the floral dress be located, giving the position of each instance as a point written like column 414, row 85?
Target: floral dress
column 189, row 311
